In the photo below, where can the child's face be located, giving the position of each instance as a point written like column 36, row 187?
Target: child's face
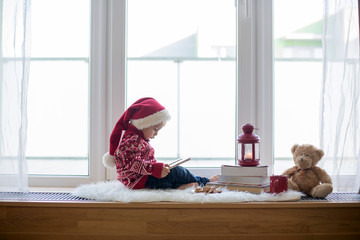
column 151, row 132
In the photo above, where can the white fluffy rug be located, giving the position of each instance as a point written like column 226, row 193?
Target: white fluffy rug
column 116, row 191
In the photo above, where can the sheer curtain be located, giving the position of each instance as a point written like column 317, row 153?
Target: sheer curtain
column 14, row 74
column 340, row 102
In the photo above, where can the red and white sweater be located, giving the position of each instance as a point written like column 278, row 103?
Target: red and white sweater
column 135, row 160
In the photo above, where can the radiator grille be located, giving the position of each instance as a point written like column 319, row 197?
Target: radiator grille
column 335, row 197
column 58, row 196
column 40, row 196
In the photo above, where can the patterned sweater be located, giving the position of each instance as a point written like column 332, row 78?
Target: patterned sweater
column 135, row 160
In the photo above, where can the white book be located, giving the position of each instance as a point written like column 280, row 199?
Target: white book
column 239, row 187
column 178, row 162
column 234, row 170
column 247, row 180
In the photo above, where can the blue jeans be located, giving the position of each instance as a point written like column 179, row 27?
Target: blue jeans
column 177, row 177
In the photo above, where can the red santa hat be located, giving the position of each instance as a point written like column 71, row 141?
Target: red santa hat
column 143, row 113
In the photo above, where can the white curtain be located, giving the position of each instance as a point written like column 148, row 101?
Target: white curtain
column 14, row 74
column 340, row 108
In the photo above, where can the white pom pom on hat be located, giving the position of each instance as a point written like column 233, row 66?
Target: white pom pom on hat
column 109, row 160
column 143, row 113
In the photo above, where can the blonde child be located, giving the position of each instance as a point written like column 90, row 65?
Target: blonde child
column 133, row 156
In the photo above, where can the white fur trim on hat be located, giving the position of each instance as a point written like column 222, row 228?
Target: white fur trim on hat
column 151, row 120
column 109, row 160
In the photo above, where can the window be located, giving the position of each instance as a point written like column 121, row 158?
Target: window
column 297, row 46
column 184, row 55
column 100, row 70
column 315, row 95
column 58, row 89
column 58, row 96
column 212, row 65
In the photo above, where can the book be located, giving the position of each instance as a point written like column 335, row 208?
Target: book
column 254, row 180
column 178, row 162
column 241, row 187
column 234, row 170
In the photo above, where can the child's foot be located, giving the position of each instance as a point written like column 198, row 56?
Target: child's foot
column 188, row 185
column 214, row 178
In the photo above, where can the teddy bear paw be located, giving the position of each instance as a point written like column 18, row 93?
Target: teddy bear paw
column 292, row 185
column 321, row 191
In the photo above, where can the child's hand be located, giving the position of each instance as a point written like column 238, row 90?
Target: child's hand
column 165, row 171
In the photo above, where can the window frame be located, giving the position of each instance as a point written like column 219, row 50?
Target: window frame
column 108, row 83
column 255, row 62
column 98, row 101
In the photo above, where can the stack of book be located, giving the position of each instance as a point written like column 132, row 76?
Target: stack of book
column 242, row 178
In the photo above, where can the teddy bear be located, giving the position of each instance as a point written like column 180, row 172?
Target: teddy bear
column 305, row 176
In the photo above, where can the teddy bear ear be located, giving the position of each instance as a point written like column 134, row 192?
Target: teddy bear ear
column 294, row 148
column 320, row 153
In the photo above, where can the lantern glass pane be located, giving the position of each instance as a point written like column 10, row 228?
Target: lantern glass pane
column 240, row 151
column 257, row 151
column 248, row 151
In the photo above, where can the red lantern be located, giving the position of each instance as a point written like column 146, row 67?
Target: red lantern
column 248, row 147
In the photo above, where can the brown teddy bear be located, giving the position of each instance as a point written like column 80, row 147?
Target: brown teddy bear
column 305, row 176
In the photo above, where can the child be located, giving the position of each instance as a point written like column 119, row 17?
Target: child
column 133, row 156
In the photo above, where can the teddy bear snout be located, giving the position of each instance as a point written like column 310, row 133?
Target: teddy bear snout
column 303, row 162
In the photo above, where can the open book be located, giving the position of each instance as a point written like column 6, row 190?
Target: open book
column 178, row 162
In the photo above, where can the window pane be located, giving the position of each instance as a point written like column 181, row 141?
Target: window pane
column 188, row 65
column 164, row 87
column 60, row 28
column 297, row 76
column 298, row 28
column 58, row 95
column 58, row 117
column 207, row 109
column 296, row 108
